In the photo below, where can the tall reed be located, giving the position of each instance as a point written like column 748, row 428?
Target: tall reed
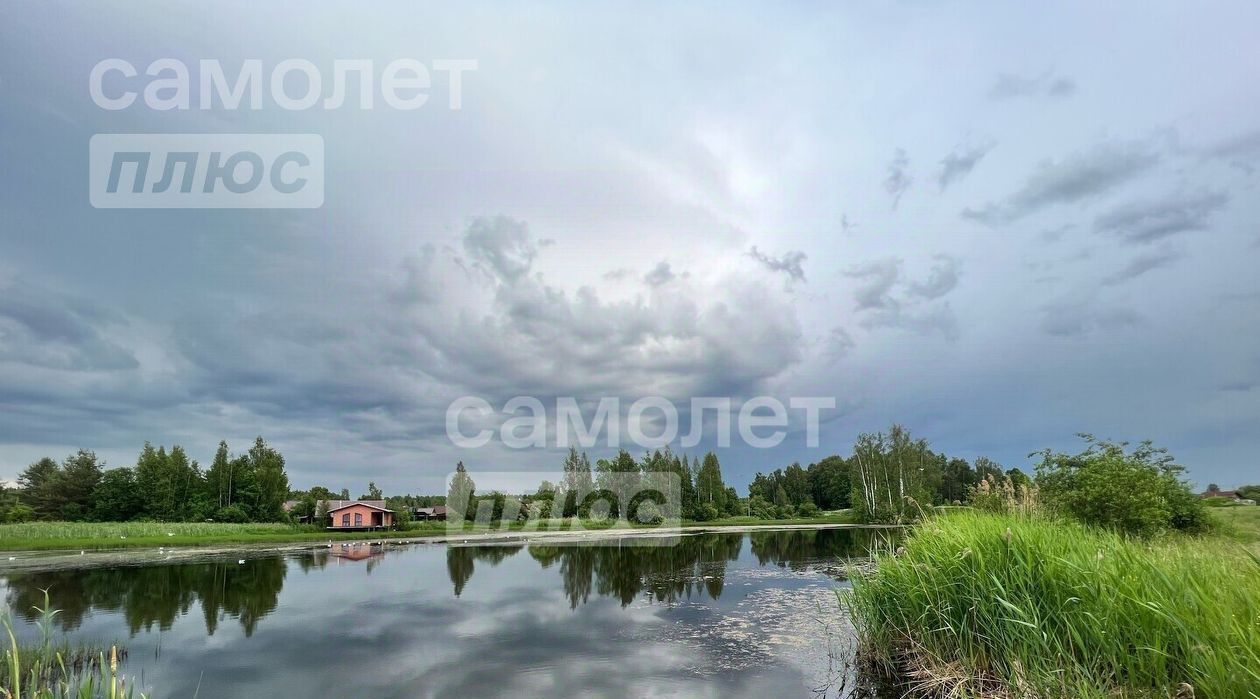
column 48, row 671
column 990, row 605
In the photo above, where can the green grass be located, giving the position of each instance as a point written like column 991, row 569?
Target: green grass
column 838, row 517
column 1006, row 606
column 1240, row 523
column 39, row 536
column 58, row 671
column 47, row 536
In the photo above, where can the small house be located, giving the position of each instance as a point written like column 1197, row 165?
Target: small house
column 363, row 514
column 1233, row 495
column 1218, row 493
column 327, row 506
column 429, row 513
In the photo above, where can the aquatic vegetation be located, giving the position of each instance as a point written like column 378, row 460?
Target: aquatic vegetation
column 987, row 605
column 51, row 671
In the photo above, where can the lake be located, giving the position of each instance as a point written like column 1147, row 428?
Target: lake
column 723, row 615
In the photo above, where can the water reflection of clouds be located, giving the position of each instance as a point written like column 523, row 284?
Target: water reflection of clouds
column 718, row 615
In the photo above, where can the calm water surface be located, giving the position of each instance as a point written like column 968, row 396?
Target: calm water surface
column 721, row 615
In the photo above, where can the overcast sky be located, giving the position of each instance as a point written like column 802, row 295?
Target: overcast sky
column 999, row 225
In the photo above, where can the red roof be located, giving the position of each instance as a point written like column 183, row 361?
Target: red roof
column 369, row 503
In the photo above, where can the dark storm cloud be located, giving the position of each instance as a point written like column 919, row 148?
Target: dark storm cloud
column 1150, row 220
column 1081, row 176
column 70, row 369
column 618, row 274
column 1242, row 152
column 660, row 274
column 1142, row 264
column 884, row 298
column 960, row 163
column 1009, row 86
column 343, row 333
column 941, row 280
column 503, row 245
column 524, row 336
column 1077, row 318
column 899, row 178
column 878, row 279
column 789, row 263
column 43, row 328
column 838, row 344
column 440, row 329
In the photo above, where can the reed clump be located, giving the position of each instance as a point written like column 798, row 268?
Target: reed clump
column 51, row 671
column 980, row 604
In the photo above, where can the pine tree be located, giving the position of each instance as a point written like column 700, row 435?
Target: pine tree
column 709, row 484
column 79, row 477
column 39, row 487
column 219, row 478
column 459, row 496
column 154, row 484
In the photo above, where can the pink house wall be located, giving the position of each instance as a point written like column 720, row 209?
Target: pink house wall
column 387, row 518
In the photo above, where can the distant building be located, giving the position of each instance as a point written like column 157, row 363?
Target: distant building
column 429, row 513
column 1215, row 491
column 1218, row 493
column 362, row 514
column 1230, row 494
column 330, row 505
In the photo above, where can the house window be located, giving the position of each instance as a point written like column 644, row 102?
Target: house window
column 345, row 520
column 358, row 519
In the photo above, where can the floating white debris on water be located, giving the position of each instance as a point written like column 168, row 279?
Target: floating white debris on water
column 767, row 625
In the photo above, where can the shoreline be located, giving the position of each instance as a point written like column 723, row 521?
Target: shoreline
column 40, row 560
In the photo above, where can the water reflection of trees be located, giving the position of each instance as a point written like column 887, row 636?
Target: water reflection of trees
column 370, row 553
column 693, row 565
column 460, row 561
column 803, row 549
column 154, row 595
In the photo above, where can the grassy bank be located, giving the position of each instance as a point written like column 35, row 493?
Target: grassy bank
column 1240, row 523
column 39, row 536
column 1005, row 606
column 48, row 536
column 50, row 670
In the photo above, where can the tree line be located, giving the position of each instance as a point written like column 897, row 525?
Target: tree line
column 888, row 477
column 163, row 486
column 703, row 494
column 882, row 470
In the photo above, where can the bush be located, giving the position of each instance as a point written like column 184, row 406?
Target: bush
column 808, row 509
column 706, row 512
column 646, row 511
column 1002, row 496
column 976, row 604
column 1139, row 493
column 759, row 508
column 232, row 514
